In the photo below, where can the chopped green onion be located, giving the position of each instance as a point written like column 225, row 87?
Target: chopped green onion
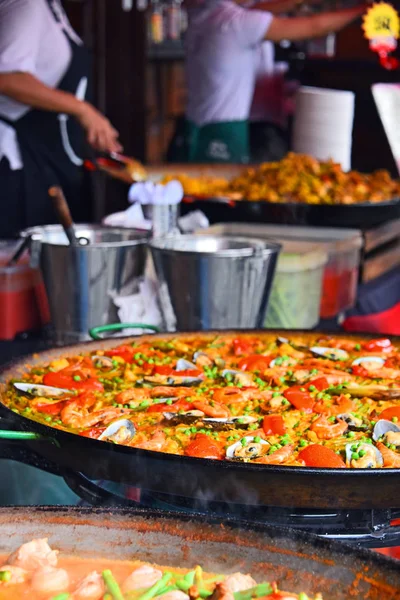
column 257, row 439
column 112, row 585
column 263, row 589
column 153, row 591
column 351, row 434
column 395, row 419
column 5, row 575
column 63, row 596
column 303, row 596
column 77, row 378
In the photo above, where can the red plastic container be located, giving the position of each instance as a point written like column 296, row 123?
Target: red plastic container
column 23, row 301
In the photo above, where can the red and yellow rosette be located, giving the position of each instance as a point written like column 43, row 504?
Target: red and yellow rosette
column 381, row 25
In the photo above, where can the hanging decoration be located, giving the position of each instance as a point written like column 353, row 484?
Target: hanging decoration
column 381, row 25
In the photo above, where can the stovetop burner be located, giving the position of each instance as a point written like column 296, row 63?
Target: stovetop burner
column 368, row 528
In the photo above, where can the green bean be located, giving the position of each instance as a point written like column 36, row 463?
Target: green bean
column 263, row 589
column 189, row 577
column 112, row 585
column 205, row 593
column 153, row 591
column 166, row 589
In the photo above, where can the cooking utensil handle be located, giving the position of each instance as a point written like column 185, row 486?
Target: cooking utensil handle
column 63, row 213
column 96, row 331
column 5, row 434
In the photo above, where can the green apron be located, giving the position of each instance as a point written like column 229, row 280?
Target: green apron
column 216, row 143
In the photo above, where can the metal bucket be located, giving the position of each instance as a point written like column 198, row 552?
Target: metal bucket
column 81, row 281
column 213, row 282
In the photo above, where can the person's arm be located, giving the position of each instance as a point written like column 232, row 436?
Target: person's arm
column 302, row 28
column 27, row 89
column 276, row 7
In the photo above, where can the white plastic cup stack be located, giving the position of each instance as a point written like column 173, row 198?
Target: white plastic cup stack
column 323, row 124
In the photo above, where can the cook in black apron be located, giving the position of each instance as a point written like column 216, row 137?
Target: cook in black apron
column 52, row 146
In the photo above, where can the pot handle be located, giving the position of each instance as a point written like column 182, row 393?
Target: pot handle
column 95, row 332
column 19, row 436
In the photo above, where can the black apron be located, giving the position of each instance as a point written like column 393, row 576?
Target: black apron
column 52, row 147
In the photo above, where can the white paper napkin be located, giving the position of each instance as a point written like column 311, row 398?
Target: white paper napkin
column 155, row 193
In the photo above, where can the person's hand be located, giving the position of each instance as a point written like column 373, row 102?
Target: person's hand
column 100, row 133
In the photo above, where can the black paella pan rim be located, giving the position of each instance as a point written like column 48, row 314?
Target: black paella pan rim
column 273, row 553
column 361, row 216
column 342, row 488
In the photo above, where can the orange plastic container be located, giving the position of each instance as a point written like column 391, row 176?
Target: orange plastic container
column 23, row 301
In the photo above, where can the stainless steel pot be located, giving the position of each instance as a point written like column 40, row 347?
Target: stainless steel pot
column 82, row 281
column 213, row 282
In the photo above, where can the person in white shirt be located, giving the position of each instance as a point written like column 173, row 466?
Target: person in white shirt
column 46, row 122
column 222, row 44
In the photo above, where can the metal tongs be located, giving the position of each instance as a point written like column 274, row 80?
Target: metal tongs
column 117, row 165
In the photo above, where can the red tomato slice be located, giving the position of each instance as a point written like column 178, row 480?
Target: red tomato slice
column 124, row 351
column 381, row 345
column 203, row 447
column 175, row 407
column 50, row 408
column 298, row 399
column 321, row 456
column 93, row 433
column 389, row 413
column 254, row 362
column 360, row 371
column 321, row 383
column 165, row 370
column 274, row 425
column 60, row 380
column 241, row 347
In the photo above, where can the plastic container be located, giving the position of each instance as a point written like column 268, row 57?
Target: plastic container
column 23, row 302
column 343, row 247
column 297, row 286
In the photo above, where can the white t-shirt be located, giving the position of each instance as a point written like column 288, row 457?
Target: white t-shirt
column 31, row 41
column 222, row 49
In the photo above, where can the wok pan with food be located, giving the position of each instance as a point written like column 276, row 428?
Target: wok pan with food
column 297, row 190
column 236, row 481
column 296, row 562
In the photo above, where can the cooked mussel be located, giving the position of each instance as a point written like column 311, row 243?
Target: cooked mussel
column 190, row 416
column 238, row 377
column 229, row 422
column 247, row 449
column 202, row 359
column 185, row 365
column 173, row 380
column 387, row 432
column 369, row 363
column 102, row 362
column 360, row 455
column 119, row 432
column 44, row 391
column 330, row 353
column 375, row 392
column 354, row 423
column 282, row 340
